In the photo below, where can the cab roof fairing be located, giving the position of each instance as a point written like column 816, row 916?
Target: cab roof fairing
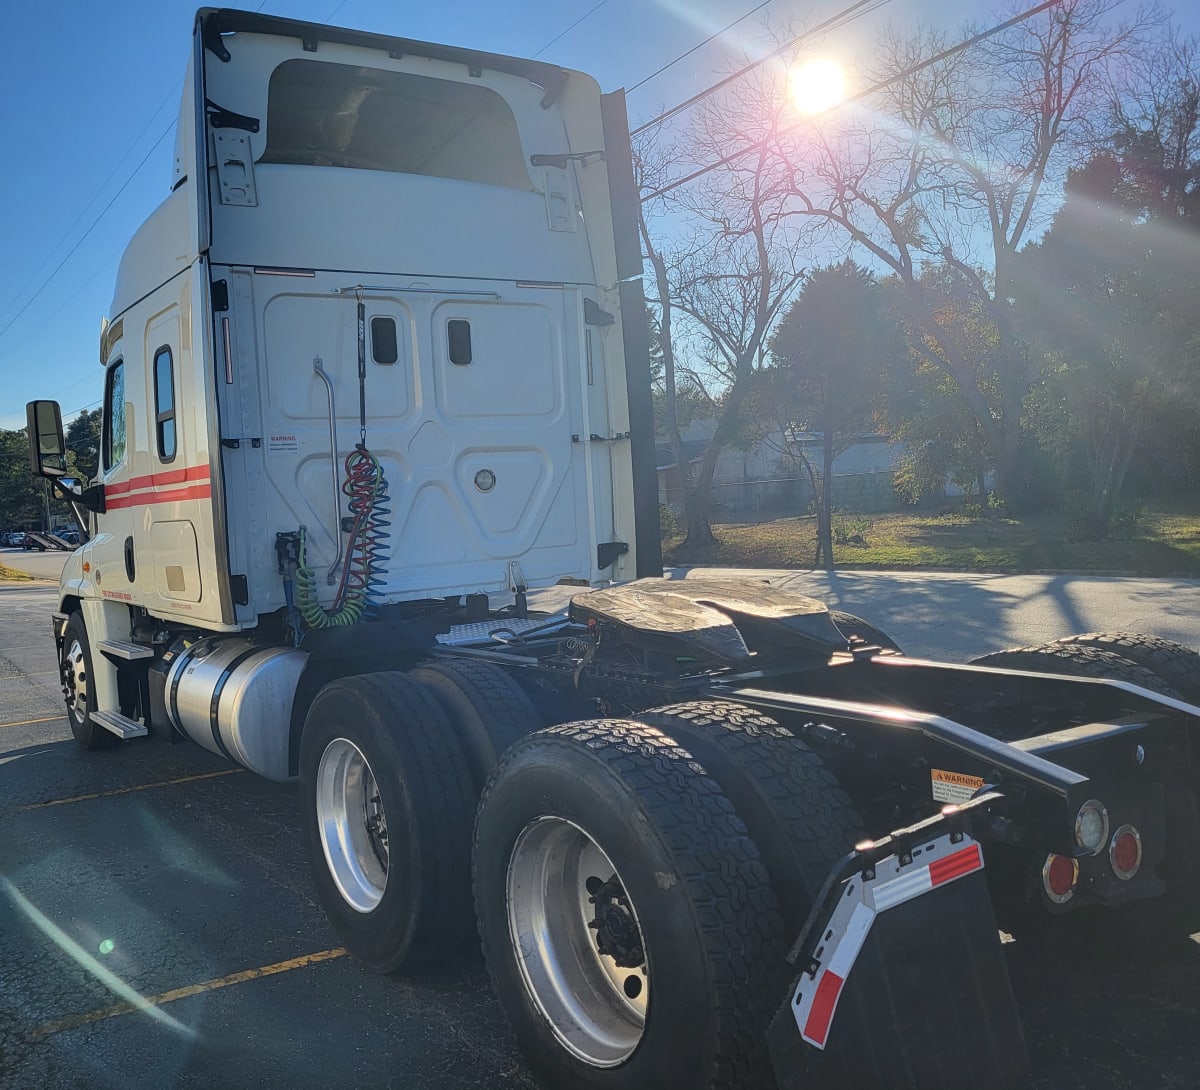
column 213, row 23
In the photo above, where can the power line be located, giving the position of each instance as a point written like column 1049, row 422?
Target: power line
column 903, row 74
column 846, row 15
column 101, row 187
column 29, row 302
column 83, row 408
column 82, row 238
column 39, row 331
column 684, row 56
column 593, row 8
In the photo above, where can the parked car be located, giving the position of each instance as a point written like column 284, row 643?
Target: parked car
column 11, row 539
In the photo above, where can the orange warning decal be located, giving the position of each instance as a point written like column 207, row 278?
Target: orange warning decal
column 953, row 786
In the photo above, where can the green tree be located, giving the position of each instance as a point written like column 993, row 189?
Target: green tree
column 829, row 354
column 1110, row 293
column 926, row 410
column 22, row 499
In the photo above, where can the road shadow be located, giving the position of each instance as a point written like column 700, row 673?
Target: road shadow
column 960, row 616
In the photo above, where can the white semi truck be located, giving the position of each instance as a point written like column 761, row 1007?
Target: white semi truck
column 376, row 372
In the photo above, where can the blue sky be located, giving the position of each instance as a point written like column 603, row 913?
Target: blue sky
column 91, row 93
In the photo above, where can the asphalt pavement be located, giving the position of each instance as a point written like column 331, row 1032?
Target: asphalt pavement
column 160, row 929
column 158, row 870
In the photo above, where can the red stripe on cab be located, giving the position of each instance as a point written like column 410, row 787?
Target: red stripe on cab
column 143, row 499
column 157, row 480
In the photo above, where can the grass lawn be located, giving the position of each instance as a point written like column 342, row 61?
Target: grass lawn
column 13, row 575
column 1163, row 544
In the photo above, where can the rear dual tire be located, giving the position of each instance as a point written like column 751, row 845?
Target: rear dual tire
column 800, row 819
column 387, row 804
column 488, row 709
column 1176, row 665
column 687, row 895
column 1077, row 660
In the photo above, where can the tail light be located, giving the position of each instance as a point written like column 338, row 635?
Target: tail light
column 1125, row 852
column 1060, row 874
column 1091, row 827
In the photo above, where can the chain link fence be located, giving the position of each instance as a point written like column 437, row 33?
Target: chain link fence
column 764, row 499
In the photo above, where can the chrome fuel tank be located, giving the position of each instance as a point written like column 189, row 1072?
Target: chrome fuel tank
column 234, row 697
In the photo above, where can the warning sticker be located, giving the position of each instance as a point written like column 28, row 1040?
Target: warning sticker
column 283, row 444
column 953, row 786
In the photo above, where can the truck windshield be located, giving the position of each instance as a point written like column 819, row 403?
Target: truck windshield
column 340, row 115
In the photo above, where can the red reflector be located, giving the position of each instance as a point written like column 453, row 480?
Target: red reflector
column 955, row 866
column 1125, row 852
column 1060, row 874
column 817, row 1026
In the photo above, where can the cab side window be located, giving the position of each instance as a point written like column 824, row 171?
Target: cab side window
column 114, row 415
column 164, row 404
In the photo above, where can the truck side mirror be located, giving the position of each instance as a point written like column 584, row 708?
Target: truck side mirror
column 47, row 447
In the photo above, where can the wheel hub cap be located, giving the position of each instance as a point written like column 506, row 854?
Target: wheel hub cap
column 577, row 940
column 617, row 932
column 75, row 681
column 352, row 824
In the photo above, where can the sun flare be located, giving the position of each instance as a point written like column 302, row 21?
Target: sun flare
column 816, row 85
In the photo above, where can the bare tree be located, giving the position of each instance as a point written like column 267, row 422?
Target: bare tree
column 721, row 284
column 958, row 162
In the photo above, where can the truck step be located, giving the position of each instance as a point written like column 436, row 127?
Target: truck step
column 121, row 649
column 121, row 725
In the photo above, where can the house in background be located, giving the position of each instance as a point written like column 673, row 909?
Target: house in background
column 760, row 480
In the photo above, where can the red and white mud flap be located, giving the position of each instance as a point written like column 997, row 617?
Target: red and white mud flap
column 905, row 985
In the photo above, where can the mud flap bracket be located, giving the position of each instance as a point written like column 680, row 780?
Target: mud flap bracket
column 905, row 985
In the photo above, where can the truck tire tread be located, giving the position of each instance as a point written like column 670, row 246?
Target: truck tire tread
column 89, row 735
column 715, row 867
column 1177, row 665
column 1077, row 660
column 489, row 710
column 799, row 817
column 425, row 914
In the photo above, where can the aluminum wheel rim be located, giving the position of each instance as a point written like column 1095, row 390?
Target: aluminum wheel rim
column 75, row 681
column 353, row 825
column 596, row 1008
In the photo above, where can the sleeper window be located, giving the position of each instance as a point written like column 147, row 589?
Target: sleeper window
column 164, row 404
column 341, row 115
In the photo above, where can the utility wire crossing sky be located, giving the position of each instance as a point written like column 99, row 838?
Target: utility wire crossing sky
column 97, row 144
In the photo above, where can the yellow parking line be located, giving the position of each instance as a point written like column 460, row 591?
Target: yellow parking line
column 28, row 722
column 162, row 998
column 130, row 790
